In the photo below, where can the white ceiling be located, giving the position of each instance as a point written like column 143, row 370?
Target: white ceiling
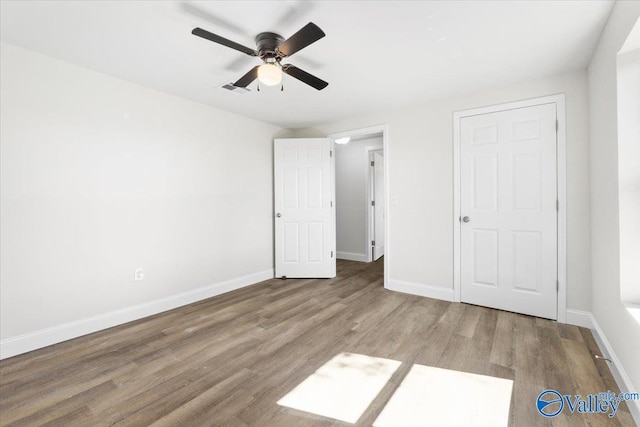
column 377, row 55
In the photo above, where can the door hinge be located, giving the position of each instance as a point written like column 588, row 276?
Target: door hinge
column 557, row 285
column 331, row 204
column 373, row 203
column 330, row 153
column 557, row 205
column 557, row 125
column 373, row 163
column 373, row 243
column 331, row 254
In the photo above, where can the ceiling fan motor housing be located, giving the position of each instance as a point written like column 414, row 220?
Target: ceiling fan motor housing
column 267, row 44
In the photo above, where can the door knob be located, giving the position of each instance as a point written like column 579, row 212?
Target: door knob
column 466, row 219
column 278, row 215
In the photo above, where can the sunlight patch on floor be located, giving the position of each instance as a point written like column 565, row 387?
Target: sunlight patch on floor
column 343, row 387
column 445, row 398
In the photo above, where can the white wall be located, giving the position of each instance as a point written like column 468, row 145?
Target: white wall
column 352, row 170
column 420, row 158
column 100, row 176
column 619, row 326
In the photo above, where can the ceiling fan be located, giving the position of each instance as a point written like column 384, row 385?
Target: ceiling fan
column 272, row 48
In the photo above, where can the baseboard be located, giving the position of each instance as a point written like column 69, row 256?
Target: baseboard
column 420, row 289
column 586, row 320
column 24, row 343
column 579, row 318
column 352, row 256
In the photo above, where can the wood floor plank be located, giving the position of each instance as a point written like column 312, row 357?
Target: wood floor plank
column 470, row 318
column 201, row 405
column 227, row 360
column 529, row 367
column 503, row 347
column 68, row 408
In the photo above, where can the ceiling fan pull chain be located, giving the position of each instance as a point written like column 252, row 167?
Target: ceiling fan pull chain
column 258, row 87
column 281, row 87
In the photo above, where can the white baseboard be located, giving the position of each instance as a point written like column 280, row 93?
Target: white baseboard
column 352, row 256
column 579, row 318
column 586, row 320
column 420, row 289
column 21, row 344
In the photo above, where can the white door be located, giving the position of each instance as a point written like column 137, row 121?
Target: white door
column 304, row 215
column 509, row 211
column 378, row 208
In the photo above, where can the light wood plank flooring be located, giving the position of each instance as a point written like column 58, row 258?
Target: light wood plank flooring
column 227, row 360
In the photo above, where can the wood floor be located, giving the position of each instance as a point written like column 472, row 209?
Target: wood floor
column 227, row 360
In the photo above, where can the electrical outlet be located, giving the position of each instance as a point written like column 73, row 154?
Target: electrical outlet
column 138, row 274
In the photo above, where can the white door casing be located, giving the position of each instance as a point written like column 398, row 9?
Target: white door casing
column 378, row 208
column 304, row 192
column 508, row 193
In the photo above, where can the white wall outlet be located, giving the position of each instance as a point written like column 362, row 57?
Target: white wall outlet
column 138, row 274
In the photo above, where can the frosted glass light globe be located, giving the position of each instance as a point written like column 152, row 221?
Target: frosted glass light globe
column 269, row 74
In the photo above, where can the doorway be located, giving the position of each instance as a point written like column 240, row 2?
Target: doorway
column 509, row 250
column 361, row 194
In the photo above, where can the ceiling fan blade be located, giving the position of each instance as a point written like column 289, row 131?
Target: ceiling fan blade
column 202, row 14
column 240, row 63
column 308, row 34
column 221, row 40
column 294, row 12
column 307, row 62
column 304, row 77
column 247, row 78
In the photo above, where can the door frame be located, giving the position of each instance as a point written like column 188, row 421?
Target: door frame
column 384, row 129
column 561, row 171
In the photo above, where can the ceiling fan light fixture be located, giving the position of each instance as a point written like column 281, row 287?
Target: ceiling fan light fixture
column 272, row 48
column 269, row 74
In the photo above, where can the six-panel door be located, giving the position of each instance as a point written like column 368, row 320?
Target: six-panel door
column 508, row 210
column 303, row 201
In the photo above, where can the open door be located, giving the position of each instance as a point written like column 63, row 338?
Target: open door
column 378, row 205
column 509, row 210
column 304, row 192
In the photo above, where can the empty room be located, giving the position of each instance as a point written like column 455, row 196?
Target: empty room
column 320, row 213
